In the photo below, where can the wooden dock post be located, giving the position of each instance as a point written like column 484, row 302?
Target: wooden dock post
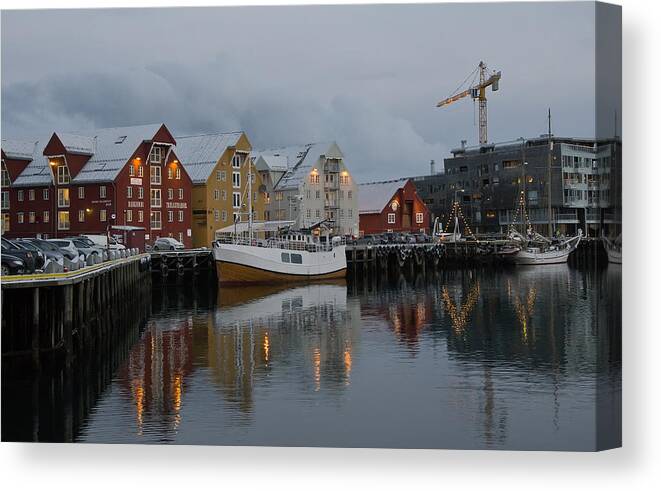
column 68, row 324
column 35, row 329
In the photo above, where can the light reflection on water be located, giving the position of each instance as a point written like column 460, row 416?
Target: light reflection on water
column 474, row 359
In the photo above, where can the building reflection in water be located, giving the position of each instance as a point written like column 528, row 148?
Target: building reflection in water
column 485, row 339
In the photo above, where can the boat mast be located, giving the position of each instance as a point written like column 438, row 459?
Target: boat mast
column 548, row 178
column 249, row 198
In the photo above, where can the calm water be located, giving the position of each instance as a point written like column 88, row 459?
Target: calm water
column 512, row 359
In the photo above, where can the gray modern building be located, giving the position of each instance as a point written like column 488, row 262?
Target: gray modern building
column 489, row 181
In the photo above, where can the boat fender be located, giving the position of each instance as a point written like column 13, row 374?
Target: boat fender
column 164, row 269
column 180, row 269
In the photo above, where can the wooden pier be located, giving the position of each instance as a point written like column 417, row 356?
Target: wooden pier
column 167, row 265
column 58, row 316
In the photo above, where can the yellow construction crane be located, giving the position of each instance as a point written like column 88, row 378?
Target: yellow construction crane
column 478, row 92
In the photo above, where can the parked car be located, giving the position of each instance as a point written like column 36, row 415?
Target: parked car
column 53, row 259
column 86, row 251
column 39, row 257
column 87, row 242
column 24, row 255
column 422, row 238
column 71, row 261
column 102, row 241
column 167, row 244
column 11, row 264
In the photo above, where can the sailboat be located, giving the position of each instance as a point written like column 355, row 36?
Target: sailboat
column 535, row 248
column 613, row 249
column 455, row 236
column 287, row 255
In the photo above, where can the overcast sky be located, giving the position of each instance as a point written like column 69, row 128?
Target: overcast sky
column 367, row 77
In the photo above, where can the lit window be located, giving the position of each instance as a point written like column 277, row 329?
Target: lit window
column 103, row 215
column 20, row 217
column 46, row 217
column 129, row 215
column 31, row 217
column 63, row 197
column 63, row 220
column 170, row 173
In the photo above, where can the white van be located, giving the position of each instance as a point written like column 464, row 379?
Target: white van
column 101, row 241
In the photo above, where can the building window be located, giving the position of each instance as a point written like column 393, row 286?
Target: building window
column 131, row 171
column 391, row 218
column 46, row 217
column 103, row 215
column 20, row 217
column 218, row 175
column 223, row 216
column 170, row 216
column 308, row 194
column 156, row 220
column 81, row 215
column 129, row 215
column 236, row 179
column 318, row 194
column 63, row 174
column 155, row 155
column 237, row 160
column 344, row 179
column 419, row 217
column 19, row 195
column 236, row 200
column 350, row 213
column 181, row 193
column 317, row 213
column 5, row 222
column 102, row 192
column 223, row 194
column 5, row 177
column 5, row 200
column 181, row 215
column 81, row 192
column 278, row 196
column 46, row 194
column 31, row 217
column 141, row 216
column 129, row 192
column 177, row 173
column 170, row 194
column 31, row 195
column 170, row 173
column 63, row 197
column 141, row 193
column 308, row 214
column 155, row 198
column 155, row 175
column 141, row 173
column 314, row 178
column 216, row 214
column 63, row 220
column 216, row 194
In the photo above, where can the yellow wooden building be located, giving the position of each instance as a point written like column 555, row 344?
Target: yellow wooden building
column 219, row 166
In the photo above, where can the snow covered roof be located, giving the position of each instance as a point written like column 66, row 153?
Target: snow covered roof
column 109, row 148
column 114, row 147
column 18, row 149
column 299, row 161
column 199, row 154
column 374, row 196
column 36, row 173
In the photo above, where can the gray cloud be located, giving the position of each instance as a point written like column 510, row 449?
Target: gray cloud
column 367, row 77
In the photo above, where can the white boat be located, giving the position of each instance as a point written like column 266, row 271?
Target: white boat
column 613, row 249
column 292, row 256
column 542, row 253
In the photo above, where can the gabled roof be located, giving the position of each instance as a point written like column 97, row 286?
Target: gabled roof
column 300, row 159
column 114, row 147
column 18, row 149
column 373, row 197
column 199, row 154
column 110, row 149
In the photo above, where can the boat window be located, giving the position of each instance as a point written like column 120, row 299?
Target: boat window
column 296, row 259
column 285, row 257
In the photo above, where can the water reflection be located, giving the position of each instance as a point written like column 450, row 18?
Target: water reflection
column 512, row 358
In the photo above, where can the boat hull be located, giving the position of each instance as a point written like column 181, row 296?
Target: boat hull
column 237, row 264
column 525, row 258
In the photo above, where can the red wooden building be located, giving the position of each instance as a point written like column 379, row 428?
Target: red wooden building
column 91, row 182
column 391, row 206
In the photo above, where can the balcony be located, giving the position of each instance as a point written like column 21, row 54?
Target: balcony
column 332, row 167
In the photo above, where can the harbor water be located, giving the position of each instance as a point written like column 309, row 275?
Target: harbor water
column 494, row 358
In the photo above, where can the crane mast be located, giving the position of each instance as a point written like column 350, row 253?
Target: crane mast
column 478, row 92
